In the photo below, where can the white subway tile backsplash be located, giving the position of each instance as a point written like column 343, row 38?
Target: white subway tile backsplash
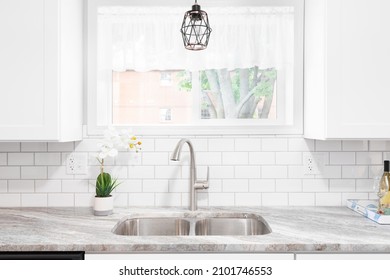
column 200, row 144
column 34, row 172
column 141, row 172
column 274, row 144
column 300, row 145
column 331, row 171
column 355, row 146
column 209, row 158
column 288, row 158
column 364, row 185
column 168, row 199
column 9, row 147
column 148, row 145
column 337, row 158
column 354, row 195
column 215, row 185
column 141, row 199
column 247, row 144
column 342, row 185
column 328, row 199
column 327, row 146
column 60, row 200
column 155, row 186
column 75, row 186
column 121, row 199
column 32, row 147
column 34, row 200
column 178, row 185
column 301, row 199
column 58, row 172
column 297, row 171
column 315, row 185
column 288, row 185
column 375, row 171
column 7, row 172
column 245, row 170
column 221, row 144
column 262, row 158
column 235, row 158
column 167, row 144
column 47, row 158
column 61, row 147
column 261, row 185
column 379, row 145
column 235, row 185
column 274, row 199
column 20, row 186
column 3, row 186
column 221, row 172
column 247, row 199
column 117, row 172
column 10, row 200
column 221, row 199
column 355, row 171
column 129, row 158
column 84, row 199
column 274, row 172
column 168, row 172
column 155, row 158
column 369, row 158
column 3, row 159
column 48, row 186
column 128, row 186
column 20, row 159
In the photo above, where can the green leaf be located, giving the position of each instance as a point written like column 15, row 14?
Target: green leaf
column 105, row 185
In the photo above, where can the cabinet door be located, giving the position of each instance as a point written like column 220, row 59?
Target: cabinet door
column 321, row 256
column 357, row 74
column 184, row 256
column 28, row 70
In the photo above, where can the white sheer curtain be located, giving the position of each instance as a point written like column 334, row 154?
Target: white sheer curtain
column 148, row 38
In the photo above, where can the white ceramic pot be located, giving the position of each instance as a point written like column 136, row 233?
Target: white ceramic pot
column 103, row 206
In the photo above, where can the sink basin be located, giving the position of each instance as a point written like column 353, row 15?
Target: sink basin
column 231, row 226
column 153, row 226
column 196, row 223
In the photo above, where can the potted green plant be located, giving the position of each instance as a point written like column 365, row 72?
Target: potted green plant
column 113, row 142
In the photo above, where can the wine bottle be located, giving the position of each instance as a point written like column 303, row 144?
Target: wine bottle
column 384, row 185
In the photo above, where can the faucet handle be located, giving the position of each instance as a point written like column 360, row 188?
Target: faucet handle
column 203, row 184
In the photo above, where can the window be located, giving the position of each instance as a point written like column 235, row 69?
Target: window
column 249, row 80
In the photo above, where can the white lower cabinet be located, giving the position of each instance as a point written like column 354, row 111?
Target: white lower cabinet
column 362, row 256
column 179, row 256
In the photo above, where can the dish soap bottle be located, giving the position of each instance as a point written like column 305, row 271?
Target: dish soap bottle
column 384, row 192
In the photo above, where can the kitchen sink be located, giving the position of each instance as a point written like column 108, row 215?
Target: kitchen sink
column 197, row 223
column 231, row 226
column 153, row 226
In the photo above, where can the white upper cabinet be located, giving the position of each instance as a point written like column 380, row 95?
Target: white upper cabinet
column 347, row 76
column 41, row 70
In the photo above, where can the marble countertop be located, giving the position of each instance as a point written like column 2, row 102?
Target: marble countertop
column 294, row 229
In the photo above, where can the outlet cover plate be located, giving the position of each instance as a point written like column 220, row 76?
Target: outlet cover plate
column 313, row 163
column 76, row 164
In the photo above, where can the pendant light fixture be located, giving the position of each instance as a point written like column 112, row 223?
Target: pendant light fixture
column 195, row 29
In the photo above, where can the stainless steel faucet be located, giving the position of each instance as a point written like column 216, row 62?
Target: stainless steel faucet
column 195, row 184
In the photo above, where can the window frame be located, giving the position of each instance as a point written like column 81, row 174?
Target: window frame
column 235, row 127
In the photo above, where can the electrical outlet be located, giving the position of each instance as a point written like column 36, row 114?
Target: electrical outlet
column 313, row 163
column 76, row 163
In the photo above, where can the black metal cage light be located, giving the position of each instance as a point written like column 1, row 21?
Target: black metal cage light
column 195, row 29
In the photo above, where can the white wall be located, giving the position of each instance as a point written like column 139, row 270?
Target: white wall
column 244, row 171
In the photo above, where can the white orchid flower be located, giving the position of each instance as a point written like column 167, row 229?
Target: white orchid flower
column 114, row 141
